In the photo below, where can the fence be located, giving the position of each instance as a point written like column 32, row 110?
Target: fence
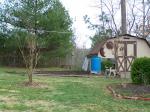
column 73, row 60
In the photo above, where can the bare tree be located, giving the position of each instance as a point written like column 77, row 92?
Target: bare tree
column 30, row 53
column 111, row 10
column 138, row 17
column 131, row 18
column 146, row 15
column 135, row 16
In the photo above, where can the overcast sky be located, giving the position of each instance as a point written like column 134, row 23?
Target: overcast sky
column 77, row 9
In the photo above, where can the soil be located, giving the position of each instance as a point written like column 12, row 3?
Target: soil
column 56, row 73
column 62, row 73
column 35, row 84
column 132, row 89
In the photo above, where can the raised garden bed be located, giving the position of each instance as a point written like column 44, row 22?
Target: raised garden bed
column 130, row 91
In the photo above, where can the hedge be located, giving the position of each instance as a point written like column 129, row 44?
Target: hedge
column 140, row 71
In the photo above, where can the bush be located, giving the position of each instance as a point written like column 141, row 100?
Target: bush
column 140, row 71
column 106, row 63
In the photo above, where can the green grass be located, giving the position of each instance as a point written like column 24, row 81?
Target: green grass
column 62, row 94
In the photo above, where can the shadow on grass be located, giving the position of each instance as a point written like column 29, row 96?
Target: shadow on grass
column 16, row 73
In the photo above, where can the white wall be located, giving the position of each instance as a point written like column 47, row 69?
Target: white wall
column 143, row 50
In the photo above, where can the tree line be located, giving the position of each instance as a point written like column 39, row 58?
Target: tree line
column 135, row 13
column 33, row 30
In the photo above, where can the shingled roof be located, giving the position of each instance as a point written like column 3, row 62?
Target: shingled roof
column 95, row 50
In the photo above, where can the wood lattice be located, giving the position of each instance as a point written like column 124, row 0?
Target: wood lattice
column 124, row 61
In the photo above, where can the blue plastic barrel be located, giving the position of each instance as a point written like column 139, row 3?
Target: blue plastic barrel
column 96, row 65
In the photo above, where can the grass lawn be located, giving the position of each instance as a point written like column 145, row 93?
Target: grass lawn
column 62, row 94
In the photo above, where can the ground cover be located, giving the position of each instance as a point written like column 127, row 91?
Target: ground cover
column 132, row 90
column 62, row 94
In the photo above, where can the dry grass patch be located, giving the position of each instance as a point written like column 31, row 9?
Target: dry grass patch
column 44, row 106
column 11, row 91
column 41, row 85
column 40, row 102
column 8, row 100
column 9, row 111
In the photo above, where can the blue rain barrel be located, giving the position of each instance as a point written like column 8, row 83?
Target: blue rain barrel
column 96, row 65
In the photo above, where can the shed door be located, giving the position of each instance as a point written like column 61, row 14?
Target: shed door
column 126, row 52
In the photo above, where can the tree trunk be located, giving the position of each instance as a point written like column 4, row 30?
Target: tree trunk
column 31, row 59
column 30, row 70
column 30, row 77
column 123, row 17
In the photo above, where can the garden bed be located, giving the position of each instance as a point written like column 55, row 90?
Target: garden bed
column 62, row 73
column 130, row 91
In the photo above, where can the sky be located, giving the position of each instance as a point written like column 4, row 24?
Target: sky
column 77, row 9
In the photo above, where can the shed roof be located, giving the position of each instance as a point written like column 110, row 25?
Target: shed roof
column 95, row 50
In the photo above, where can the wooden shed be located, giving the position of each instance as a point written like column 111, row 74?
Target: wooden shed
column 124, row 49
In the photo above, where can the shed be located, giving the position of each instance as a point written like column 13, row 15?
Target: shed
column 124, row 49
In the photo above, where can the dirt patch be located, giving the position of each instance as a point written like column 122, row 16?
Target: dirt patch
column 15, row 72
column 62, row 73
column 130, row 91
column 35, row 84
